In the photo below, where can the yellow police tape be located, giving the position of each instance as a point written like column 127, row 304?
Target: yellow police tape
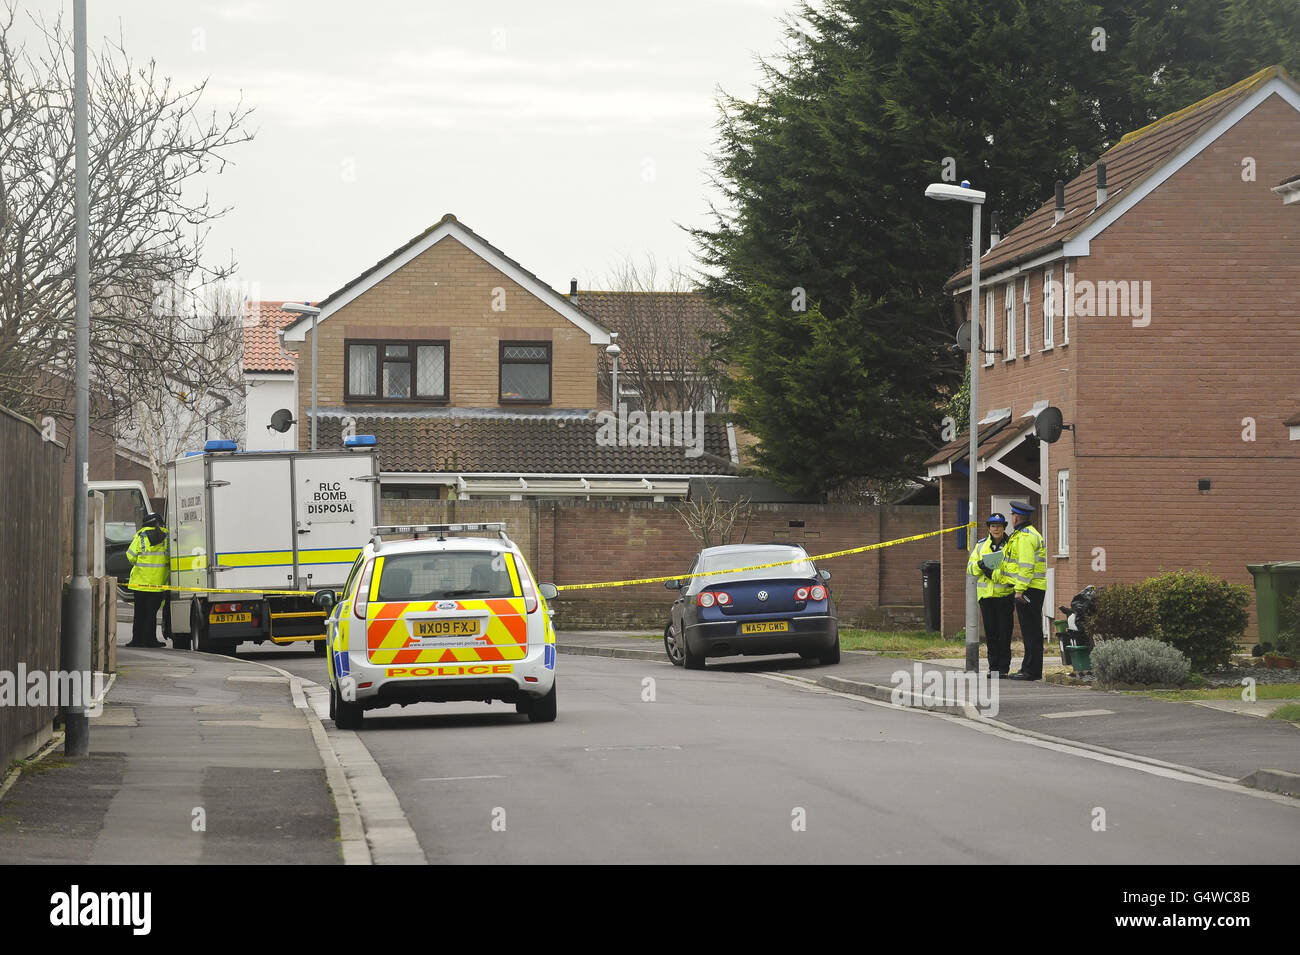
column 605, row 583
column 779, row 563
column 219, row 590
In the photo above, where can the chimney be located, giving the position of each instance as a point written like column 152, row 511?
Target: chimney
column 995, row 232
column 1060, row 202
column 1101, row 183
column 573, row 290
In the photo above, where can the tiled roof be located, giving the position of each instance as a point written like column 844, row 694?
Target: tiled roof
column 1129, row 162
column 472, row 442
column 992, row 438
column 396, row 253
column 262, row 351
column 625, row 312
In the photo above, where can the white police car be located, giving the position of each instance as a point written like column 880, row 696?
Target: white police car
column 436, row 618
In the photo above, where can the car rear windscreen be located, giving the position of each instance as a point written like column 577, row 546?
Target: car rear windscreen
column 768, row 555
column 468, row 574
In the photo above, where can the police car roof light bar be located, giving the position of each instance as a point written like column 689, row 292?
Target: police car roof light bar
column 442, row 530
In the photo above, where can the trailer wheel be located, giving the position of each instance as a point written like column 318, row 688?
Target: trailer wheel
column 199, row 627
column 318, row 647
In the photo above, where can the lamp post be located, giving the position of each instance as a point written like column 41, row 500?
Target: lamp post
column 947, row 192
column 613, row 351
column 296, row 308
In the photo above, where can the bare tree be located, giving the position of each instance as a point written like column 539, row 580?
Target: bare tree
column 662, row 324
column 172, row 415
column 712, row 520
column 148, row 224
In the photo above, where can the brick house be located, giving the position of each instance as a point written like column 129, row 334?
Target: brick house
column 1154, row 303
column 270, row 381
column 480, row 382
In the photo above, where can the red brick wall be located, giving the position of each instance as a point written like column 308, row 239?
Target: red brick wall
column 1160, row 405
column 571, row 542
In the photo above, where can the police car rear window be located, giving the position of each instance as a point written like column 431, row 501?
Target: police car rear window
column 468, row 574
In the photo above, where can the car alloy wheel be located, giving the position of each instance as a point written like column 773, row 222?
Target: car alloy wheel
column 673, row 647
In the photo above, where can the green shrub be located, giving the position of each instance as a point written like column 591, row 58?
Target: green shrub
column 1124, row 612
column 1141, row 660
column 1202, row 615
column 1288, row 629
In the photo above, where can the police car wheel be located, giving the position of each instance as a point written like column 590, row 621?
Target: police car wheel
column 543, row 710
column 672, row 646
column 334, row 706
column 348, row 715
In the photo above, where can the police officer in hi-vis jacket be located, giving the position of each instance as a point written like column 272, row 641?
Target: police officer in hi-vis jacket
column 1024, row 565
column 997, row 603
column 148, row 557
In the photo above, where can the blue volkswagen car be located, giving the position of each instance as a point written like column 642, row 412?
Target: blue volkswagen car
column 729, row 612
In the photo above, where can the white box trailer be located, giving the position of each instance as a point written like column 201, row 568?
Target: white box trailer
column 244, row 524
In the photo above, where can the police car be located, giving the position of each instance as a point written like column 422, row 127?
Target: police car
column 437, row 618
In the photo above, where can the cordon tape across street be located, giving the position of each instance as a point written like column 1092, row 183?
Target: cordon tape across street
column 626, row 583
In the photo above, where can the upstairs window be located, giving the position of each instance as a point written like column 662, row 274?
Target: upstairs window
column 1067, row 291
column 990, row 323
column 526, row 371
column 396, row 371
column 1009, row 308
column 1049, row 307
column 1024, row 345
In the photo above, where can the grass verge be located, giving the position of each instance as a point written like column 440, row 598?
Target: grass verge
column 1263, row 691
column 1289, row 712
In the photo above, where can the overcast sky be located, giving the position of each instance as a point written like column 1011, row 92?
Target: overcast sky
column 571, row 134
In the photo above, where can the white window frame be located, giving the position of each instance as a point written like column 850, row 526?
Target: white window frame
column 1067, row 290
column 1063, row 513
column 991, row 324
column 1024, row 345
column 1009, row 310
column 1049, row 308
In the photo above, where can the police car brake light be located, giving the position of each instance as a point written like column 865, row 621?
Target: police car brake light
column 530, row 593
column 363, row 591
column 360, row 441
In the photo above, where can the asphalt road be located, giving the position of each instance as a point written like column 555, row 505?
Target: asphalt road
column 728, row 765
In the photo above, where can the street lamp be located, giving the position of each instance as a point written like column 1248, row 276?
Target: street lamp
column 613, row 351
column 947, row 192
column 296, row 308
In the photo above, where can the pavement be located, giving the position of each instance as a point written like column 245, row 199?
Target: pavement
column 201, row 758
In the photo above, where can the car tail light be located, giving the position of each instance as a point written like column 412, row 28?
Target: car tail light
column 801, row 593
column 818, row 592
column 363, row 591
column 724, row 598
column 705, row 599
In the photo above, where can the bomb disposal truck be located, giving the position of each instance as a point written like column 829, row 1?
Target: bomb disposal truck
column 244, row 524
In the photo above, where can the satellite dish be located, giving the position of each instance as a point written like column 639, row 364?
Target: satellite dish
column 282, row 420
column 963, row 336
column 1048, row 425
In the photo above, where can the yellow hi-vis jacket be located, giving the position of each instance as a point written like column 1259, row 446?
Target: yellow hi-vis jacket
column 994, row 586
column 148, row 561
column 1024, row 564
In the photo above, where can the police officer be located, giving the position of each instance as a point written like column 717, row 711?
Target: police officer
column 997, row 604
column 1024, row 566
column 148, row 557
